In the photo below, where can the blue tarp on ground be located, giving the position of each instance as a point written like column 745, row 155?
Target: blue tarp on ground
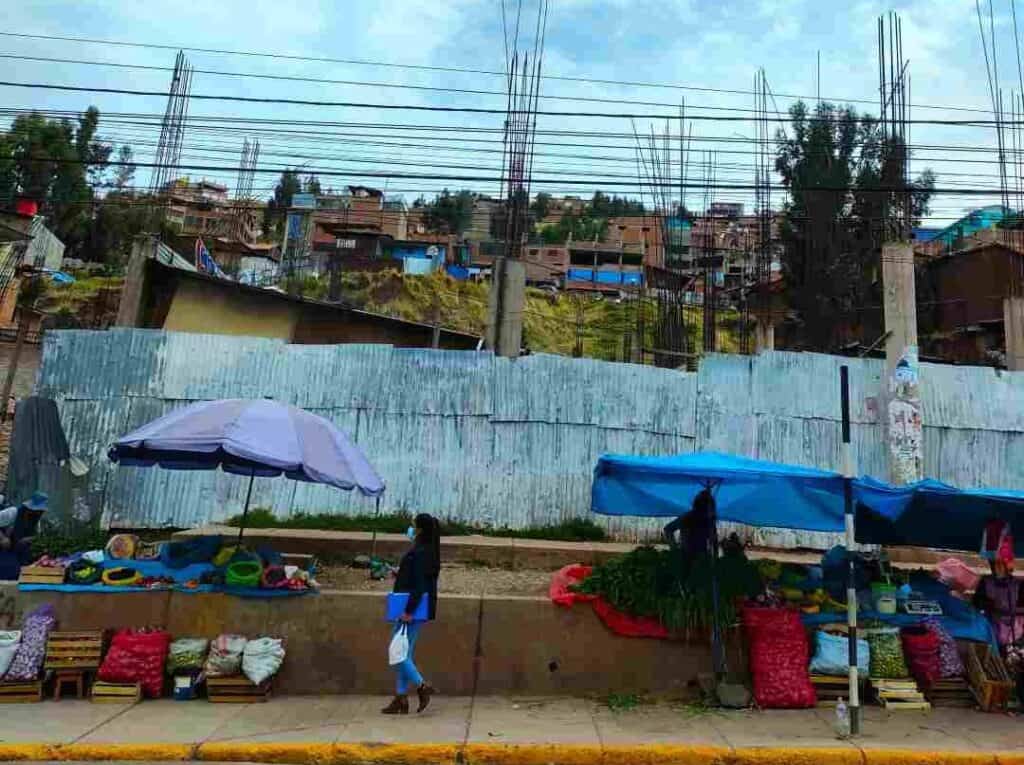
column 930, row 513
column 754, row 492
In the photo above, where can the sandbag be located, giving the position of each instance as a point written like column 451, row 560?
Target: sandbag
column 950, row 663
column 187, row 654
column 225, row 658
column 886, row 653
column 28, row 659
column 779, row 654
column 137, row 656
column 562, row 580
column 9, row 642
column 262, row 658
column 921, row 652
column 832, row 654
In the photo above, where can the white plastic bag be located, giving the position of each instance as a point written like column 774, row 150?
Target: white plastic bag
column 398, row 651
column 9, row 642
column 262, row 659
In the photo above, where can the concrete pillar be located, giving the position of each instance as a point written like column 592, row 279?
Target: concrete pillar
column 505, row 307
column 129, row 311
column 764, row 337
column 1013, row 323
column 901, row 386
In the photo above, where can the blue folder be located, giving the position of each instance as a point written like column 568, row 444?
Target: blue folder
column 397, row 601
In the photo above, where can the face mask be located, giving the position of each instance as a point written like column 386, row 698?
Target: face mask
column 411, row 532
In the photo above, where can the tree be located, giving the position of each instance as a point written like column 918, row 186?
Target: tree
column 838, row 166
column 581, row 228
column 56, row 163
column 124, row 173
column 449, row 213
column 541, row 206
column 313, row 185
column 277, row 206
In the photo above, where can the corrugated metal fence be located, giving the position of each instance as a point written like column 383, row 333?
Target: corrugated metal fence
column 469, row 436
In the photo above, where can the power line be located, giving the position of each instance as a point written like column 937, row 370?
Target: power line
column 470, row 109
column 460, row 70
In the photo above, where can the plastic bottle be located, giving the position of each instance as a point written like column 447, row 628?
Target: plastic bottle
column 842, row 719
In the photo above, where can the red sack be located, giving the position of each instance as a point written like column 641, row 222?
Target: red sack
column 626, row 625
column 779, row 655
column 562, row 579
column 137, row 656
column 921, row 650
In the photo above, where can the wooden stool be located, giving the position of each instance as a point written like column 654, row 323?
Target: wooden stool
column 74, row 677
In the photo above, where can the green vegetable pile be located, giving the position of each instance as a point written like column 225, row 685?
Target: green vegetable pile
column 650, row 582
column 885, row 650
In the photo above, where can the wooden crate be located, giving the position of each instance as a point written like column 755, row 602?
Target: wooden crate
column 899, row 695
column 41, row 575
column 951, row 692
column 830, row 688
column 21, row 692
column 236, row 690
column 989, row 679
column 74, row 650
column 116, row 693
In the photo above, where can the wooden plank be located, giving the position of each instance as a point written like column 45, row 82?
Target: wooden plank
column 116, row 693
column 21, row 692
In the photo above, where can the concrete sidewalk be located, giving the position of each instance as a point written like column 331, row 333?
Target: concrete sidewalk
column 498, row 731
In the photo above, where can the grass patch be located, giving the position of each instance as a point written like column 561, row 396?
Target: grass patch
column 622, row 702
column 573, row 530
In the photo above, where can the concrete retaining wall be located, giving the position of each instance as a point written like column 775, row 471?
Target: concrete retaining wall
column 337, row 641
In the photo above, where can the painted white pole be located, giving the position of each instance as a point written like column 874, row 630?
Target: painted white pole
column 849, row 473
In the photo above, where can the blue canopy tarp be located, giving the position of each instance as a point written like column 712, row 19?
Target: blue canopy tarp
column 930, row 513
column 754, row 492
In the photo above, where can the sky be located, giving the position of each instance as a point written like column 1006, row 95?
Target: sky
column 689, row 49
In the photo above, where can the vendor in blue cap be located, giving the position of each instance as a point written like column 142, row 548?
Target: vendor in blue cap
column 18, row 524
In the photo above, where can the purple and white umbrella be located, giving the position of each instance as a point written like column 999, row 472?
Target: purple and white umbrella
column 255, row 437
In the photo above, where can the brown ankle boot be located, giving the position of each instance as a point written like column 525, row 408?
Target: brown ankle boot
column 398, row 706
column 425, row 691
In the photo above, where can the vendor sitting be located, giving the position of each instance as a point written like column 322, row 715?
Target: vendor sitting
column 18, row 525
column 695, row 529
column 1000, row 595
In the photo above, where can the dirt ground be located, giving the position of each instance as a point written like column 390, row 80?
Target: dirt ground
column 455, row 579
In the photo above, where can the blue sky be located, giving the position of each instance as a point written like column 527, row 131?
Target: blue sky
column 690, row 43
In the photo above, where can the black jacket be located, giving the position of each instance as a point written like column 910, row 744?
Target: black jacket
column 417, row 575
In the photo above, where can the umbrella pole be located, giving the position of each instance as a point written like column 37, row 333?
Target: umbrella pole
column 851, row 576
column 245, row 512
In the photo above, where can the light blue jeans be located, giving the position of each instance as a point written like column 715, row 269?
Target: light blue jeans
column 406, row 674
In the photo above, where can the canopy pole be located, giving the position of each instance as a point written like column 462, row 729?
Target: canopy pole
column 717, row 649
column 851, row 577
column 245, row 512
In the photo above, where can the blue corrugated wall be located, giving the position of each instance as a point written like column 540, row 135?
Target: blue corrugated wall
column 511, row 443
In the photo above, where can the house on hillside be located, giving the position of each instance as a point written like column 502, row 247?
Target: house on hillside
column 164, row 291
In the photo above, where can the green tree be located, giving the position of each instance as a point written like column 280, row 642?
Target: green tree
column 449, row 213
column 56, row 163
column 835, row 165
column 277, row 206
column 312, row 185
column 124, row 172
column 541, row 206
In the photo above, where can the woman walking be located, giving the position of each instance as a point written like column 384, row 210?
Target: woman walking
column 417, row 575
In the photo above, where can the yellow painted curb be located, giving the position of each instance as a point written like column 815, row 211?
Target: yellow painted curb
column 98, row 752
column 22, row 752
column 915, row 757
column 494, row 754
column 757, row 755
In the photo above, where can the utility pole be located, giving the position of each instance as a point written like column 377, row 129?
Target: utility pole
column 901, row 386
column 505, row 307
column 435, row 341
